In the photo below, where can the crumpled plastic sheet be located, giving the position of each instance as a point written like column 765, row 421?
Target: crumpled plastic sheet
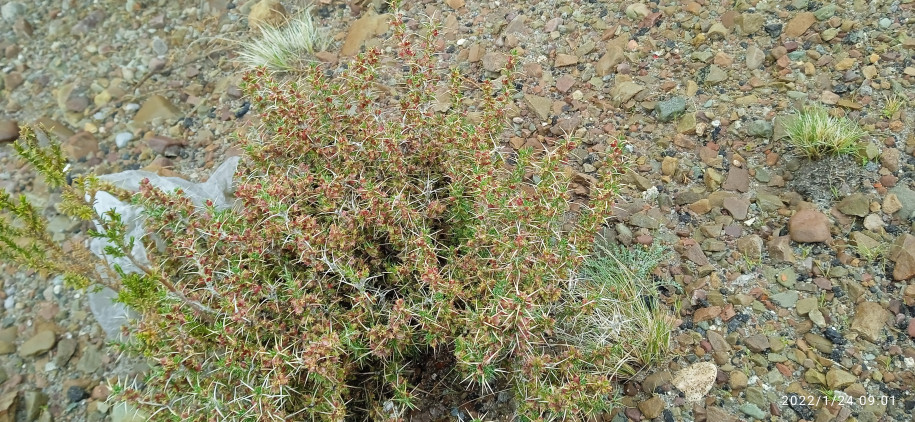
column 218, row 188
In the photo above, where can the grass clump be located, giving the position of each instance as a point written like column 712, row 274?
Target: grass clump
column 613, row 307
column 285, row 48
column 370, row 230
column 817, row 134
column 892, row 106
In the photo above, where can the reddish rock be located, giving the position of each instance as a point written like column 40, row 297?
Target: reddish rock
column 809, row 226
column 911, row 329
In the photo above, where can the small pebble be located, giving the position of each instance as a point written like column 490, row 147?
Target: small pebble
column 121, row 139
column 76, row 394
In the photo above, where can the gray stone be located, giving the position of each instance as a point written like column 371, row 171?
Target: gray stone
column 34, row 401
column 760, row 129
column 90, row 361
column 825, row 12
column 857, row 204
column 762, row 175
column 757, row 343
column 805, row 305
column 756, row 396
column 755, row 57
column 786, row 299
column 645, row 219
column 716, row 75
column 752, row 411
column 11, row 11
column 906, row 197
column 787, row 277
column 125, row 412
column 817, row 317
column 670, row 109
column 65, row 349
column 768, row 202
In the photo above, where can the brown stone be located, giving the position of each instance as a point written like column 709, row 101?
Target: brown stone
column 706, row 314
column 751, row 246
column 267, row 12
column 494, row 61
column 80, row 145
column 652, row 407
column 737, row 207
column 780, row 249
column 12, row 80
column 738, row 179
column 809, row 226
column 9, row 130
column 609, row 60
column 565, row 60
column 155, row 107
column 164, row 145
column 8, row 404
column 902, row 253
column 869, row 319
column 800, row 24
column 367, row 26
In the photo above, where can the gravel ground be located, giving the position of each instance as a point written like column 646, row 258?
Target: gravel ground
column 797, row 276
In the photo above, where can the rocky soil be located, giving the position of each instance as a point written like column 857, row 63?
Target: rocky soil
column 798, row 277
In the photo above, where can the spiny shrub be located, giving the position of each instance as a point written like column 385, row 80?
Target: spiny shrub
column 369, row 229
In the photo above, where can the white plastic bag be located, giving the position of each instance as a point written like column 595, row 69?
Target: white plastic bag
column 218, row 188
